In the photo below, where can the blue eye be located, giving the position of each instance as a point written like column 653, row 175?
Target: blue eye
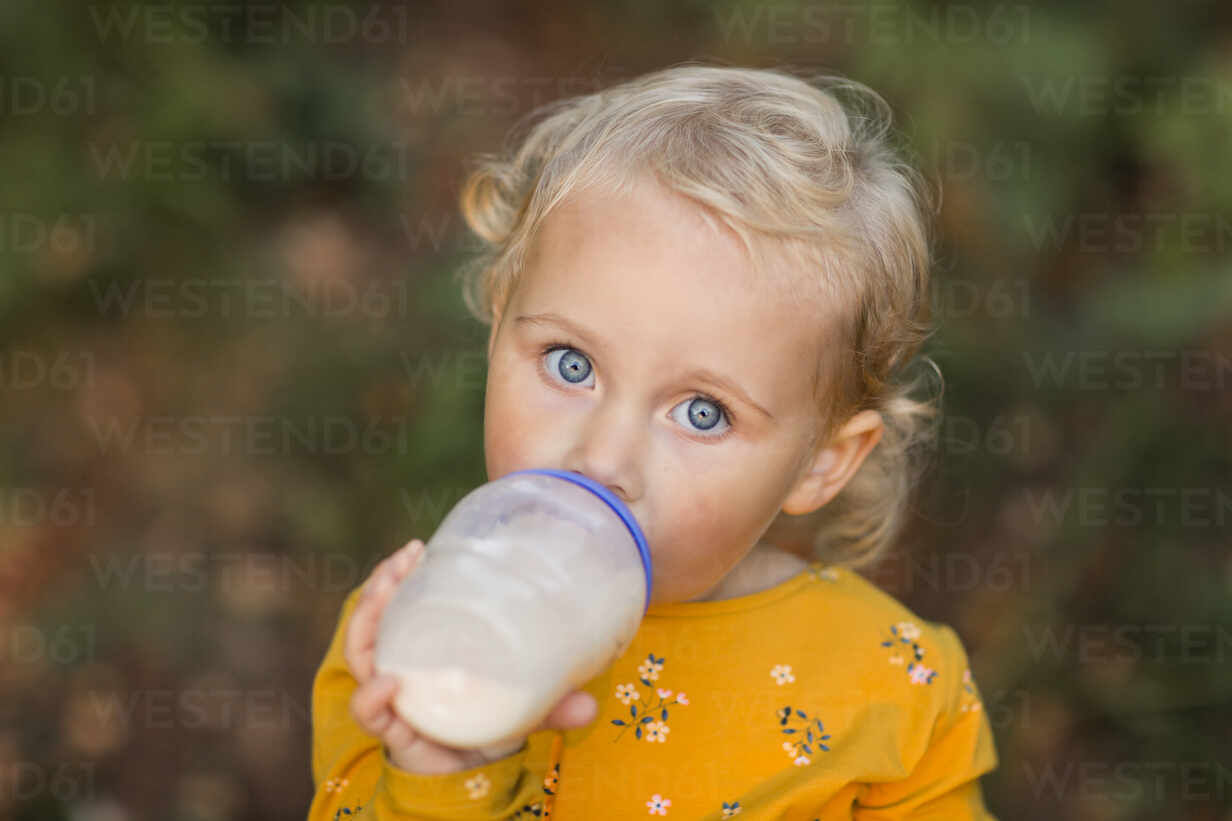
column 703, row 413
column 573, row 366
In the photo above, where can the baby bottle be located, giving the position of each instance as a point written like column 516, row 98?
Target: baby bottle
column 531, row 586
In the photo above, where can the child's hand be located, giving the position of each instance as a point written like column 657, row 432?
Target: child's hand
column 372, row 701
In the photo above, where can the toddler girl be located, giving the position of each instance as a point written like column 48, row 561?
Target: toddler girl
column 704, row 286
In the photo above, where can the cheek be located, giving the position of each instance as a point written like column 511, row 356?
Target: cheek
column 512, row 434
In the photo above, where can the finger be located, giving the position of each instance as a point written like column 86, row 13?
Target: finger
column 370, row 704
column 361, row 638
column 577, row 709
column 407, row 558
column 366, row 616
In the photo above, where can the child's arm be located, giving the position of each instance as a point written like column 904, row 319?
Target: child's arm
column 944, row 784
column 364, row 756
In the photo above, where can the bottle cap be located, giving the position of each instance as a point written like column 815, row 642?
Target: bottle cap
column 621, row 509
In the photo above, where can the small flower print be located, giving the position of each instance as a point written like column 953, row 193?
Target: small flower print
column 649, row 669
column 652, row 719
column 335, row 784
column 549, row 783
column 906, row 632
column 627, row 693
column 528, row 810
column 798, row 746
column 731, row 809
column 478, row 786
column 829, row 574
column 971, row 699
column 658, row 804
column 782, row 674
column 657, row 731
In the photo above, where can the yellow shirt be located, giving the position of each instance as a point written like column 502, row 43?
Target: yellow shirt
column 820, row 698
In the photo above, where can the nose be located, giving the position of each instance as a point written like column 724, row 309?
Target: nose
column 607, row 448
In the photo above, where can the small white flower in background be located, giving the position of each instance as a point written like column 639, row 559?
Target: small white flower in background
column 789, row 747
column 658, row 804
column 896, row 659
column 478, row 786
column 649, row 670
column 782, row 674
column 657, row 731
column 681, row 698
column 802, row 761
column 626, row 693
column 919, row 674
column 908, row 630
column 664, row 693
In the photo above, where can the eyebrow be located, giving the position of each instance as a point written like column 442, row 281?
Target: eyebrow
column 698, row 374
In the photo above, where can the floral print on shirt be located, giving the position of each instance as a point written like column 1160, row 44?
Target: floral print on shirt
column 530, row 811
column 798, row 747
column 906, row 632
column 650, row 721
column 658, row 804
column 970, row 699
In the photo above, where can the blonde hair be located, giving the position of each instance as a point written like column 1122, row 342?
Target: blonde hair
column 783, row 163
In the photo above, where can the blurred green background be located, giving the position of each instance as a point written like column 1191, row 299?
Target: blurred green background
column 236, row 369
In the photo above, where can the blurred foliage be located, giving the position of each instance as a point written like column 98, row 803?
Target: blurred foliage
column 236, row 370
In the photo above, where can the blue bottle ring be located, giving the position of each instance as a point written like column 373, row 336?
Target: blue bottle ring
column 621, row 509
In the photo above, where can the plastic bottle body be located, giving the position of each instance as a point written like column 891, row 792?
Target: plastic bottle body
column 530, row 587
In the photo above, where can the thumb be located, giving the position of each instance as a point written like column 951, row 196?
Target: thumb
column 577, row 709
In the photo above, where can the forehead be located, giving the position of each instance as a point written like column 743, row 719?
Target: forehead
column 658, row 281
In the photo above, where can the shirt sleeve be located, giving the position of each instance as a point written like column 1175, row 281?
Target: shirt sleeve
column 944, row 783
column 351, row 771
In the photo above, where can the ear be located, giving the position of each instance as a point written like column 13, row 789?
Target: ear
column 833, row 465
